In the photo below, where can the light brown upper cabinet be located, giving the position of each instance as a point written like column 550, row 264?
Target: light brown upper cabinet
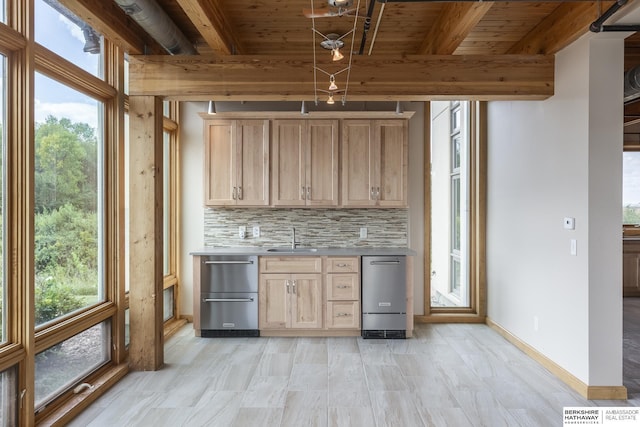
column 236, row 163
column 304, row 155
column 374, row 163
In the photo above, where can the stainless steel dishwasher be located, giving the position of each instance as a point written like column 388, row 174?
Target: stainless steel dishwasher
column 384, row 297
column 229, row 296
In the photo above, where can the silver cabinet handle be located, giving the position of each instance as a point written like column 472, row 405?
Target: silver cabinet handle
column 377, row 193
column 228, row 262
column 302, row 194
column 239, row 193
column 341, row 265
column 227, row 299
column 384, row 262
column 294, row 286
column 343, row 287
column 343, row 315
column 373, row 194
column 308, row 193
column 288, row 288
column 234, row 194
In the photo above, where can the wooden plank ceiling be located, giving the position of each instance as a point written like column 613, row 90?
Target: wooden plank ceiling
column 264, row 49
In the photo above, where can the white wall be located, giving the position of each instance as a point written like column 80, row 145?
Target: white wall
column 548, row 160
column 192, row 155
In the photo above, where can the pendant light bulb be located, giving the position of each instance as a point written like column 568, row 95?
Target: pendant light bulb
column 332, row 83
column 330, row 100
column 212, row 108
column 336, row 55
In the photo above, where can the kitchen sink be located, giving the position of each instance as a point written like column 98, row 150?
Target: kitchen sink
column 292, row 250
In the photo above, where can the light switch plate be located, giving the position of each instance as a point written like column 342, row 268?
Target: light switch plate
column 363, row 232
column 574, row 247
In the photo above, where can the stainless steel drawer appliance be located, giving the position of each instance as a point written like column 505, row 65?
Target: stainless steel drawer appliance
column 229, row 296
column 384, row 297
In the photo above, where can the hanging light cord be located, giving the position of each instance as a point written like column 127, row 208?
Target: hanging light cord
column 353, row 38
column 315, row 71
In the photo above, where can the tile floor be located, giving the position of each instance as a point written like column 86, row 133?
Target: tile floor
column 447, row 375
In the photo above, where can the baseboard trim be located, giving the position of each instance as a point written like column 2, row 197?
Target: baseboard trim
column 586, row 391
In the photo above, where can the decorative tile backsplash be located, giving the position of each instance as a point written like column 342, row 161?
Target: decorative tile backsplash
column 322, row 228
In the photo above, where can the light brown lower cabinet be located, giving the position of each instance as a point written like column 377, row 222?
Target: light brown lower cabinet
column 343, row 293
column 290, row 301
column 306, row 295
column 290, row 293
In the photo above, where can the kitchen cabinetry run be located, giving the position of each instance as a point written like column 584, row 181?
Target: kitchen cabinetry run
column 236, row 163
column 374, row 163
column 343, row 293
column 305, row 163
column 290, row 293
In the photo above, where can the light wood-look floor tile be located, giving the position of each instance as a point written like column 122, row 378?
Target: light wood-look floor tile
column 446, row 375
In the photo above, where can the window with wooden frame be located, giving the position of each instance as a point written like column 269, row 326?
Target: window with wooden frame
column 62, row 142
column 171, row 174
column 455, row 186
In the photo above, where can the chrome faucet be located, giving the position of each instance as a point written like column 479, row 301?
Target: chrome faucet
column 294, row 243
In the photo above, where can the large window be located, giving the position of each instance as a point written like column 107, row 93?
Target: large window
column 631, row 187
column 62, row 32
column 68, row 200
column 63, row 365
column 450, row 174
column 3, row 180
column 9, row 397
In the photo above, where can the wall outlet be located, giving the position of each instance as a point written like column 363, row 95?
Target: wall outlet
column 569, row 223
column 363, row 232
column 242, row 232
column 256, row 231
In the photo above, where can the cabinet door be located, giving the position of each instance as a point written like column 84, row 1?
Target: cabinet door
column 219, row 162
column 273, row 301
column 357, row 163
column 252, row 179
column 630, row 271
column 322, row 163
column 288, row 184
column 306, row 301
column 390, row 138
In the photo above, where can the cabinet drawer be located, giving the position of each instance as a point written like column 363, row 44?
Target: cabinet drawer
column 301, row 264
column 343, row 287
column 343, row 315
column 343, row 265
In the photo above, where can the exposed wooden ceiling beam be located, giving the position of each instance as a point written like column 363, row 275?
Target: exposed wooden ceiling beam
column 108, row 19
column 208, row 17
column 452, row 27
column 276, row 78
column 565, row 25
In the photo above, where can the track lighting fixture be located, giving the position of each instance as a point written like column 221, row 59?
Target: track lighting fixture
column 212, row 108
column 303, row 109
column 332, row 82
column 333, row 42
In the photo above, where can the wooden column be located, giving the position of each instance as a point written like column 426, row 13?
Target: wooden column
column 146, row 349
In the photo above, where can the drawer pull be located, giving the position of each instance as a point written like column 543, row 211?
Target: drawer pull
column 343, row 287
column 343, row 315
column 341, row 265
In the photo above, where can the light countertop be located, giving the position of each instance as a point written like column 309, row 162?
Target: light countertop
column 302, row 251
